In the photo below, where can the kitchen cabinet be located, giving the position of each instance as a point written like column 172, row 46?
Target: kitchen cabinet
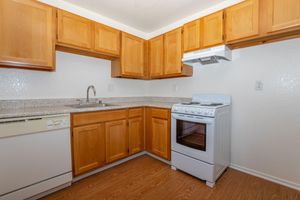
column 173, row 52
column 88, row 148
column 165, row 54
column 27, row 35
column 191, row 36
column 158, row 132
column 156, row 56
column 102, row 137
column 212, row 29
column 242, row 20
column 131, row 64
column 282, row 14
column 116, row 140
column 107, row 39
column 73, row 30
column 97, row 138
column 136, row 130
column 79, row 35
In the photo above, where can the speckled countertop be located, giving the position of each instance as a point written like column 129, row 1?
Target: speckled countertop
column 27, row 108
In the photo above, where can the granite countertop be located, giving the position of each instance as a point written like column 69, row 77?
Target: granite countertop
column 52, row 109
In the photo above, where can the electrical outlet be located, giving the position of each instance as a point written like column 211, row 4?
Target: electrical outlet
column 175, row 88
column 259, row 85
column 110, row 87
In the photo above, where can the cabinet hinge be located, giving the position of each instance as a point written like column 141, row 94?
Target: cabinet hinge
column 127, row 123
column 56, row 29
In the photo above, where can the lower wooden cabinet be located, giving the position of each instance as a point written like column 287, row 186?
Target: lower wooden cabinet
column 88, row 148
column 158, row 132
column 136, row 135
column 136, row 130
column 102, row 137
column 116, row 140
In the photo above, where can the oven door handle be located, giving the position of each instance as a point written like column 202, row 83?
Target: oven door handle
column 191, row 118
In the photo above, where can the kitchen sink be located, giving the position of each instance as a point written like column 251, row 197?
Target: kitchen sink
column 91, row 105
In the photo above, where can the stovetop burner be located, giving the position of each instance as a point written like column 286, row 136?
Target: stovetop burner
column 202, row 104
column 191, row 103
column 211, row 104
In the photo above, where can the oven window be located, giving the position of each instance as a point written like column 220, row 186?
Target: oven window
column 191, row 134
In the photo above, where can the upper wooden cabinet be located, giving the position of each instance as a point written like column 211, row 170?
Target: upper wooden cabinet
column 107, row 39
column 27, row 34
column 88, row 148
column 116, row 140
column 282, row 14
column 173, row 52
column 212, row 29
column 132, row 58
column 131, row 63
column 156, row 56
column 191, row 36
column 74, row 30
column 242, row 20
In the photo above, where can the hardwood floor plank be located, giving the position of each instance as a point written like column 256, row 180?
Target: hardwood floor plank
column 145, row 178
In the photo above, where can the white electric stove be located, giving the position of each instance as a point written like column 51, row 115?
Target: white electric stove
column 200, row 136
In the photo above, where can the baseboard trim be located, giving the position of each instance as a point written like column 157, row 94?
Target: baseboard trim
column 158, row 158
column 265, row 176
column 75, row 179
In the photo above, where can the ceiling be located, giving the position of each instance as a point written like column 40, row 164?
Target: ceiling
column 146, row 15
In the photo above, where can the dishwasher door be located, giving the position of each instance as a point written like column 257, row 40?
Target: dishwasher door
column 37, row 159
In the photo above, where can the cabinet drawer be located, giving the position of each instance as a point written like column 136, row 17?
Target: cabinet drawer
column 135, row 112
column 96, row 117
column 160, row 113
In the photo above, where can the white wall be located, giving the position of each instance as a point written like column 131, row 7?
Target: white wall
column 265, row 124
column 74, row 73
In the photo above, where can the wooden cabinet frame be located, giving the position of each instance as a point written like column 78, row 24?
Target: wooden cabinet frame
column 23, row 47
column 133, row 124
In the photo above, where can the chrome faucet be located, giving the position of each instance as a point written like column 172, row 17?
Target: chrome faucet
column 87, row 92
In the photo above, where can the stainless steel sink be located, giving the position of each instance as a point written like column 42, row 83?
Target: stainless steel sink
column 91, row 105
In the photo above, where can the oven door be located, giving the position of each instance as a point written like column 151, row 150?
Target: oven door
column 193, row 136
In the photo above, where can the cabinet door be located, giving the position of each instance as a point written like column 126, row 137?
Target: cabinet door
column 160, row 137
column 132, row 55
column 242, row 20
column 191, row 36
column 212, row 29
column 74, row 30
column 136, row 135
column 116, row 140
column 27, row 36
column 107, row 39
column 283, row 14
column 156, row 56
column 88, row 148
column 173, row 52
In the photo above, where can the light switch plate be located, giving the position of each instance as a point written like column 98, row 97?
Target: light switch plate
column 259, row 85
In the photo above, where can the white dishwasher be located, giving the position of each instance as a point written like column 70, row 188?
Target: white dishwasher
column 35, row 155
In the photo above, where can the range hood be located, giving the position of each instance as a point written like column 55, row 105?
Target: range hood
column 208, row 56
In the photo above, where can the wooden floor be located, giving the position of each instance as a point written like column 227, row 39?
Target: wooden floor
column 146, row 178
